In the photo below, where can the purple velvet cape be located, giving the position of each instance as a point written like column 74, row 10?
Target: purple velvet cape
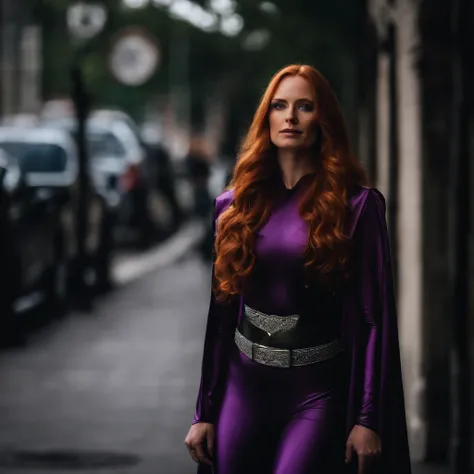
column 369, row 329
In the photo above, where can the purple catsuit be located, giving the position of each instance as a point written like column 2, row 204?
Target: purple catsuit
column 273, row 420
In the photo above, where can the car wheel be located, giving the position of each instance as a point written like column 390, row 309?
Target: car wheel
column 58, row 282
column 11, row 333
column 104, row 257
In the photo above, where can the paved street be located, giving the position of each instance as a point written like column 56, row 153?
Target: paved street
column 122, row 380
column 113, row 388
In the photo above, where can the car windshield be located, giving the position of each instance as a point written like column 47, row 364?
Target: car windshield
column 104, row 144
column 101, row 142
column 37, row 157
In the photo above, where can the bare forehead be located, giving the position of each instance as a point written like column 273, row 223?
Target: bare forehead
column 294, row 88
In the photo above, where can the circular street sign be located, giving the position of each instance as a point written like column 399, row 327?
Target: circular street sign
column 85, row 20
column 134, row 56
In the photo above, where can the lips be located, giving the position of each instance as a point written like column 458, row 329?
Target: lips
column 290, row 131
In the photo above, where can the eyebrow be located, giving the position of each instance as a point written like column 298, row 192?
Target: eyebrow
column 304, row 99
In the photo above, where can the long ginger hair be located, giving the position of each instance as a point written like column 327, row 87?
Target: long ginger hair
column 324, row 205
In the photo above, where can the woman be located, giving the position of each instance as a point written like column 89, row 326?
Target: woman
column 301, row 370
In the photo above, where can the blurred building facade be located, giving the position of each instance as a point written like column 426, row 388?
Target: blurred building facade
column 416, row 123
column 20, row 59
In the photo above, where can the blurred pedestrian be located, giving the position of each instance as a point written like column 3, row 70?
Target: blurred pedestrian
column 301, row 369
column 199, row 171
column 166, row 182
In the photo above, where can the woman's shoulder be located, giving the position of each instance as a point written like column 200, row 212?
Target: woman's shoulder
column 223, row 201
column 360, row 196
column 368, row 201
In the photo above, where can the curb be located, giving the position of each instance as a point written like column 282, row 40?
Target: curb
column 128, row 268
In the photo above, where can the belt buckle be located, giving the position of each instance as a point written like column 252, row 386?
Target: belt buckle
column 273, row 350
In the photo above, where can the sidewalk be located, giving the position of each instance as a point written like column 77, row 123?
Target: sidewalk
column 115, row 388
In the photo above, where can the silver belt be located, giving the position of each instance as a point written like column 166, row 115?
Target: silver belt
column 287, row 358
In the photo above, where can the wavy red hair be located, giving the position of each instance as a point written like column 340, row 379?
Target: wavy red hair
column 324, row 205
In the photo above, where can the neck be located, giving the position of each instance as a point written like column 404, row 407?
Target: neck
column 294, row 164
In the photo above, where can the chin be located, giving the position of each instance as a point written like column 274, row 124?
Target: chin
column 289, row 145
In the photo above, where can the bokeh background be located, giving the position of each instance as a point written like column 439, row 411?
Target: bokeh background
column 119, row 125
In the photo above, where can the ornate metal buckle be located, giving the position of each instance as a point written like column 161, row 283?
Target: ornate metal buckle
column 271, row 356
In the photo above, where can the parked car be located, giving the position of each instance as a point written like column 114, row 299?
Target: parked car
column 160, row 171
column 119, row 168
column 48, row 159
column 32, row 246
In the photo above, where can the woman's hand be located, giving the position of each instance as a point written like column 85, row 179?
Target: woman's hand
column 366, row 444
column 201, row 436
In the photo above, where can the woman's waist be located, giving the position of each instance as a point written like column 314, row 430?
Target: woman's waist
column 310, row 302
column 293, row 331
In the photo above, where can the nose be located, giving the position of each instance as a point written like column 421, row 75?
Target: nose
column 291, row 116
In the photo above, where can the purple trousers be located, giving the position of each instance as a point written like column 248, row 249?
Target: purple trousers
column 282, row 421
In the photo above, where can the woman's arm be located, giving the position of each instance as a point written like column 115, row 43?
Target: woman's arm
column 376, row 293
column 221, row 324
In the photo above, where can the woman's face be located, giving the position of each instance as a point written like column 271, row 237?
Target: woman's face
column 293, row 114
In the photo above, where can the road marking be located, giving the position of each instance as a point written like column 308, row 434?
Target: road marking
column 132, row 267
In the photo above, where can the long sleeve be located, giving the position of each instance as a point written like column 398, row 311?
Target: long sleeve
column 377, row 296
column 221, row 324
